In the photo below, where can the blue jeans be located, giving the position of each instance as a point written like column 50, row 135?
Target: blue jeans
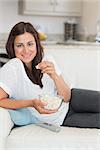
column 22, row 117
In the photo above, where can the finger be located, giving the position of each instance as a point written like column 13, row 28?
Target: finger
column 46, row 111
column 49, row 64
column 42, row 66
column 52, row 110
column 48, row 70
column 42, row 104
column 45, row 64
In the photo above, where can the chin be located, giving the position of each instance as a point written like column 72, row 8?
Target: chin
column 28, row 60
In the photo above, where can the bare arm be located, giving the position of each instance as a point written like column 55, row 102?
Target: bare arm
column 12, row 104
column 8, row 103
column 62, row 87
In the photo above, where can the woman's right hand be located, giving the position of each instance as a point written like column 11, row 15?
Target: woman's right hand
column 39, row 106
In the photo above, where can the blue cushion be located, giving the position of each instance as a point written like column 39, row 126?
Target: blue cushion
column 22, row 117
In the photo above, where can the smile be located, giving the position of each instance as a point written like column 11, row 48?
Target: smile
column 26, row 56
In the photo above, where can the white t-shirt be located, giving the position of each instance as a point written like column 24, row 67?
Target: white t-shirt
column 15, row 82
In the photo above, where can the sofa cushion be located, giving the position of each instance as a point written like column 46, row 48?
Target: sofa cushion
column 22, row 117
column 84, row 109
column 32, row 137
column 83, row 100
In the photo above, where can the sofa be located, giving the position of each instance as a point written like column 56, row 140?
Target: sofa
column 81, row 133
column 82, row 130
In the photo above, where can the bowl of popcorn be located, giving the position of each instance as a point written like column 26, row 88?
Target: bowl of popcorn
column 53, row 102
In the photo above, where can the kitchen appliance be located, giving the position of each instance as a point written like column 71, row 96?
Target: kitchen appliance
column 70, row 31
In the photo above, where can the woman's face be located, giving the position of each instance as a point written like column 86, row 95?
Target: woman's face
column 25, row 48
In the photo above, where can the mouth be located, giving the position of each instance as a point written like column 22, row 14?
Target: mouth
column 26, row 56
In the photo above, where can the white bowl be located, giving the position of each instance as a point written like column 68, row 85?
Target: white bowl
column 53, row 102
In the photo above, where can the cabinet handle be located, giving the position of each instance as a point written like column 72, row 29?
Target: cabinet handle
column 51, row 2
column 56, row 2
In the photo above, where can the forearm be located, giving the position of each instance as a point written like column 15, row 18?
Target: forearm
column 15, row 104
column 62, row 87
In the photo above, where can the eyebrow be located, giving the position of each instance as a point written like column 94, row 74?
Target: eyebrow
column 30, row 41
column 23, row 43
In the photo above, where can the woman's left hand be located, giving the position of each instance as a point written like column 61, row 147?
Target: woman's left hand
column 48, row 68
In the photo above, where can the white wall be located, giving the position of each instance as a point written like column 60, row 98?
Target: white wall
column 9, row 16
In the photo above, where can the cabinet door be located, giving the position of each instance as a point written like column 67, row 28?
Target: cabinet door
column 37, row 7
column 50, row 7
column 68, row 7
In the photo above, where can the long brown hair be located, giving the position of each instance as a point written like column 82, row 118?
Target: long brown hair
column 20, row 28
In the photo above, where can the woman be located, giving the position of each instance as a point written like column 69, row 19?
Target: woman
column 21, row 82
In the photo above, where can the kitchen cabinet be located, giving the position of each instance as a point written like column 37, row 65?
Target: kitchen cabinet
column 50, row 7
column 80, row 65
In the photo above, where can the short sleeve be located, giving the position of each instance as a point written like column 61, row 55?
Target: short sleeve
column 8, row 79
column 51, row 59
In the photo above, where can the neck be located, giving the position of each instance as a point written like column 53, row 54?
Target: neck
column 29, row 66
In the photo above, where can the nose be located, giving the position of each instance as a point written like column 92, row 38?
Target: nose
column 25, row 48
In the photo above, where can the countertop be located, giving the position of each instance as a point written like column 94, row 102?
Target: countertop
column 70, row 45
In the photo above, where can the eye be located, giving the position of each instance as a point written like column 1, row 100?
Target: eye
column 30, row 44
column 19, row 45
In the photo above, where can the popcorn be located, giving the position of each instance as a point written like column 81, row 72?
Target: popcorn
column 52, row 102
column 37, row 66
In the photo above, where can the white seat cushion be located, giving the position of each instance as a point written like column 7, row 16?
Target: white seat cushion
column 33, row 137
